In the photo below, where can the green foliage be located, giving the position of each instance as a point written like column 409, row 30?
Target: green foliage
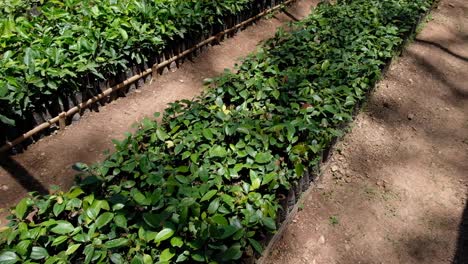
column 52, row 48
column 203, row 185
column 334, row 220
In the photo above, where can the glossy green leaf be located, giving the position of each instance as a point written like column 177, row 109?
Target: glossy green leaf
column 6, row 120
column 177, row 242
column 256, row 245
column 22, row 247
column 120, row 221
column 218, row 151
column 262, row 157
column 269, row 223
column 233, row 253
column 58, row 208
column 38, row 253
column 21, row 208
column 115, row 243
column 166, row 255
column 164, row 234
column 59, row 240
column 207, row 133
column 72, row 248
column 104, row 219
column 255, row 180
column 213, row 207
column 147, row 259
column 161, row 134
column 208, row 195
column 9, row 257
column 62, row 228
column 117, row 259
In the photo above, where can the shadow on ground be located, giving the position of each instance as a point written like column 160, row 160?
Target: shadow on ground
column 22, row 175
column 461, row 254
column 426, row 42
column 430, row 122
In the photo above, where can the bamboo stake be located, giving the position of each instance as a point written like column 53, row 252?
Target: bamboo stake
column 62, row 123
column 131, row 80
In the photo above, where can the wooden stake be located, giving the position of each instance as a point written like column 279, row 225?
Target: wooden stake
column 62, row 123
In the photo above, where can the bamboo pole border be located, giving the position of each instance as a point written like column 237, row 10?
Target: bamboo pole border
column 153, row 70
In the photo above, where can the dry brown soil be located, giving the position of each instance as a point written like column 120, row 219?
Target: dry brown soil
column 395, row 190
column 49, row 161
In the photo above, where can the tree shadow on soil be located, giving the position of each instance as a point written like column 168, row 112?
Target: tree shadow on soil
column 457, row 91
column 425, row 42
column 439, row 83
column 22, row 175
column 461, row 253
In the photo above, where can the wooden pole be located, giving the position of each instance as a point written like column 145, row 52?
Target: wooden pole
column 62, row 123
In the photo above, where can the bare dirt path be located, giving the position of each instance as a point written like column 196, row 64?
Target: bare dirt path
column 49, row 161
column 395, row 190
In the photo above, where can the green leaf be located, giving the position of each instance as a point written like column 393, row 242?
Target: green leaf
column 243, row 130
column 228, row 231
column 21, row 208
column 269, row 223
column 325, row 65
column 153, row 220
column 9, row 257
column 117, row 259
column 177, row 242
column 62, row 228
column 186, row 202
column 213, row 207
column 123, row 33
column 80, row 167
column 268, row 177
column 72, row 248
column 208, row 195
column 166, row 255
column 58, row 208
column 164, row 234
column 255, row 180
column 59, row 240
column 207, row 133
column 161, row 134
column 233, row 253
column 181, row 258
column 38, row 253
column 198, row 257
column 219, row 102
column 81, row 238
column 6, row 120
column 89, row 253
column 299, row 168
column 147, row 259
column 115, row 243
column 220, row 220
column 118, row 206
column 23, row 247
column 139, row 197
column 183, row 179
column 218, row 151
column 28, row 60
column 104, row 219
column 120, row 221
column 263, row 157
column 257, row 246
column 138, row 259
